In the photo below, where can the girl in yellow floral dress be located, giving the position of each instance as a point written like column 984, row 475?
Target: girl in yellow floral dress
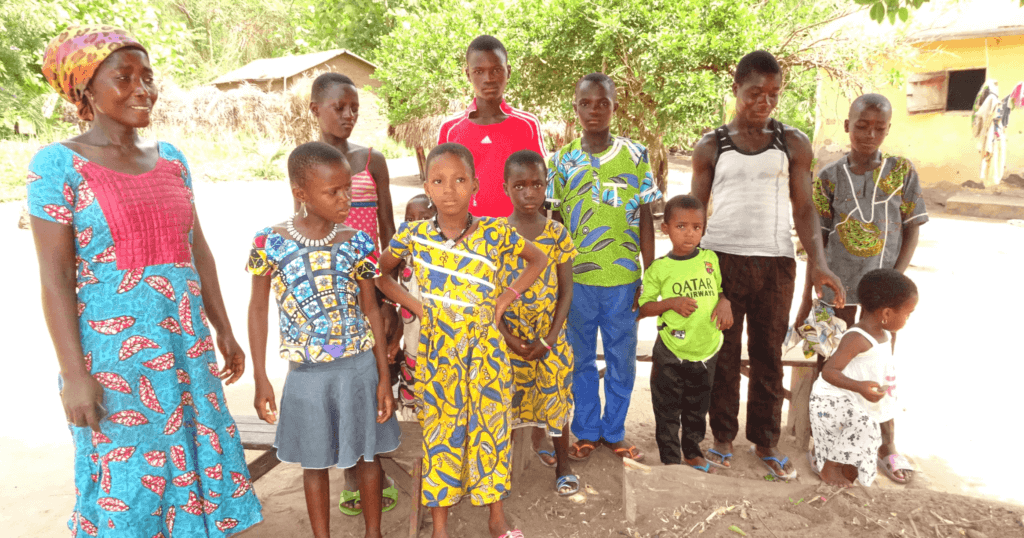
column 541, row 358
column 463, row 376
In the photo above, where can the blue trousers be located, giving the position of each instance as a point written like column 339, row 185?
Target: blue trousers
column 610, row 310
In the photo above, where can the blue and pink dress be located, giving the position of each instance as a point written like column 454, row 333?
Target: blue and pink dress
column 168, row 458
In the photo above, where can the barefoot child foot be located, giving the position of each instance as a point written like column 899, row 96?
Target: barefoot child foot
column 832, row 474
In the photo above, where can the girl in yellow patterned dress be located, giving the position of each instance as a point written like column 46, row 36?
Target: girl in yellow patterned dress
column 463, row 376
column 533, row 326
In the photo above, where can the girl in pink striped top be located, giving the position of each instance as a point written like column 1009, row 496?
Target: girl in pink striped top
column 335, row 103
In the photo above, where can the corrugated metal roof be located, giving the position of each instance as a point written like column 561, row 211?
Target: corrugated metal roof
column 973, row 19
column 284, row 67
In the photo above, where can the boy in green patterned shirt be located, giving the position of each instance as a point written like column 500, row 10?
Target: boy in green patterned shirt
column 600, row 186
column 692, row 311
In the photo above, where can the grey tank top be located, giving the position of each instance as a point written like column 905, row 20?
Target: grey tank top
column 751, row 215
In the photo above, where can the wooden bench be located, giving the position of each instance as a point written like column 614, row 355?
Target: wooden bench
column 258, row 435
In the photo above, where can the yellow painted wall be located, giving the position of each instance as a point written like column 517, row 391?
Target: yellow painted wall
column 941, row 144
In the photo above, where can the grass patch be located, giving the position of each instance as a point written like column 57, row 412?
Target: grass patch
column 14, row 158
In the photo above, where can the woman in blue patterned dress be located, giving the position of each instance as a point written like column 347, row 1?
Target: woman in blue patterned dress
column 129, row 291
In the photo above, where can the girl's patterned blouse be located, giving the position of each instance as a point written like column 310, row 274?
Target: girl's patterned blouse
column 317, row 291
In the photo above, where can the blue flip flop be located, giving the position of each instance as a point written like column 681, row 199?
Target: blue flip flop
column 542, row 452
column 705, row 468
column 782, row 465
column 570, row 481
column 720, row 455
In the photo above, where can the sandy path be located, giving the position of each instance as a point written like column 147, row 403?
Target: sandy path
column 960, row 376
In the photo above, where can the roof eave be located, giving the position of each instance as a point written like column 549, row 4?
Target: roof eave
column 930, row 37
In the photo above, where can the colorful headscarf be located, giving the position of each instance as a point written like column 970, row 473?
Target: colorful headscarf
column 72, row 57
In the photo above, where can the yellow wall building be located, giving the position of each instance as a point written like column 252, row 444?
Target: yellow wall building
column 931, row 121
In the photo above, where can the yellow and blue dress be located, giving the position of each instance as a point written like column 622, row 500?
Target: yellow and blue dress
column 543, row 388
column 463, row 376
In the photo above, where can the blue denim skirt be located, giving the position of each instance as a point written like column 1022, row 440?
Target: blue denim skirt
column 328, row 414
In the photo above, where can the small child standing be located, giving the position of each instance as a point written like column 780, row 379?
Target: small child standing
column 533, row 325
column 336, row 406
column 857, row 385
column 692, row 312
column 463, row 376
column 418, row 208
column 871, row 208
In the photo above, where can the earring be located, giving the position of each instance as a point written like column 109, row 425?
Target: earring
column 304, row 212
column 474, row 200
column 884, row 321
column 430, row 202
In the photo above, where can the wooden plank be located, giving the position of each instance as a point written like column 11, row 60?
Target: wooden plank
column 799, row 405
column 745, row 370
column 402, row 478
column 415, row 503
column 412, row 443
column 254, row 433
column 263, row 464
column 522, row 448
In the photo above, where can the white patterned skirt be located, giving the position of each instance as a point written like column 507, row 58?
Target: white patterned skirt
column 846, row 434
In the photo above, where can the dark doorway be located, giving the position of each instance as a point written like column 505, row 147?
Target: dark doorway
column 963, row 88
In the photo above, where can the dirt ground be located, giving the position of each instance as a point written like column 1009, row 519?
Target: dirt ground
column 962, row 370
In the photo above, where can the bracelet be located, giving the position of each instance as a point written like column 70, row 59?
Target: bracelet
column 390, row 302
column 513, row 290
column 545, row 344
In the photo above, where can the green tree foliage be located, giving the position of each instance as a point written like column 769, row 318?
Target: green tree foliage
column 893, row 9
column 25, row 28
column 671, row 60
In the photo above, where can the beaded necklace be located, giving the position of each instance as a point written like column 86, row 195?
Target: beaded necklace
column 305, row 241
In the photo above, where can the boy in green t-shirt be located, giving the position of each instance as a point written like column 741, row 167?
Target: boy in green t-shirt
column 692, row 312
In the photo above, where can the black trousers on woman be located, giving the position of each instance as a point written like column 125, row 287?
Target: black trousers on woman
column 681, row 394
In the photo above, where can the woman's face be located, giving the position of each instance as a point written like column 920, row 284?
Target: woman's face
column 123, row 89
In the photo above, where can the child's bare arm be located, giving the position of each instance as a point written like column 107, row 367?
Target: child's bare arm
column 515, row 344
column 646, row 235
column 722, row 313
column 259, row 307
column 911, row 234
column 564, row 271
column 391, row 288
column 850, row 346
column 684, row 306
column 368, row 304
column 704, row 154
column 805, row 215
column 385, row 211
column 536, row 261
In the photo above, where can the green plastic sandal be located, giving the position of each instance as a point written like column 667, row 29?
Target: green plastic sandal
column 349, row 496
column 390, row 492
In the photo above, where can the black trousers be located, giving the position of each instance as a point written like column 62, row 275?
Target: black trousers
column 760, row 290
column 681, row 394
